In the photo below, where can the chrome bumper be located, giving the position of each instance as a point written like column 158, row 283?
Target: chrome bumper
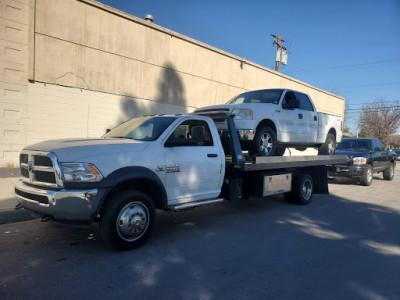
column 244, row 134
column 68, row 205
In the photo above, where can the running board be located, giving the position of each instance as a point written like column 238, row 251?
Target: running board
column 194, row 204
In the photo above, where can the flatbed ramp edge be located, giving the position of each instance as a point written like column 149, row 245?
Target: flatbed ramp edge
column 284, row 162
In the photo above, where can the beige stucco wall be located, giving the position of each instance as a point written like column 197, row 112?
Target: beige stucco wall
column 14, row 19
column 91, row 67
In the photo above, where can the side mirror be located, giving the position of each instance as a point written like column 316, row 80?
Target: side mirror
column 291, row 104
column 108, row 130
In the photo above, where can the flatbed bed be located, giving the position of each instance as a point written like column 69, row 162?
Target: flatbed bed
column 284, row 162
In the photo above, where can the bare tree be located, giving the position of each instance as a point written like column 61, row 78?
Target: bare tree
column 394, row 141
column 380, row 119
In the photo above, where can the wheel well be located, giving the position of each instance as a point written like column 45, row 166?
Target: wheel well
column 146, row 186
column 333, row 131
column 267, row 122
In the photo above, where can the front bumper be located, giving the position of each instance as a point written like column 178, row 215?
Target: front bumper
column 347, row 171
column 244, row 134
column 79, row 206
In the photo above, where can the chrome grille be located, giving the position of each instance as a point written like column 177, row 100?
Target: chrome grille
column 40, row 168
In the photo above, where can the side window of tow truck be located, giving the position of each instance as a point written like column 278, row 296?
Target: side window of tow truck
column 191, row 133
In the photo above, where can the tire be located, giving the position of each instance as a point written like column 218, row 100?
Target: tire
column 388, row 174
column 329, row 147
column 264, row 142
column 302, row 190
column 368, row 177
column 127, row 220
column 280, row 151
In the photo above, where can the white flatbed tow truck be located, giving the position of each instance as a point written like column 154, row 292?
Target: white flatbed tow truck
column 173, row 162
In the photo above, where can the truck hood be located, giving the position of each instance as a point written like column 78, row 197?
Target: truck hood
column 70, row 150
column 230, row 107
column 224, row 107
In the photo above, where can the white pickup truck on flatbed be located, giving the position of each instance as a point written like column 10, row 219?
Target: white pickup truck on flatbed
column 270, row 120
column 171, row 162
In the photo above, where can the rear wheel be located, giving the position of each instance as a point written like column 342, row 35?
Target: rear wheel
column 388, row 174
column 264, row 142
column 127, row 220
column 302, row 190
column 329, row 147
column 367, row 178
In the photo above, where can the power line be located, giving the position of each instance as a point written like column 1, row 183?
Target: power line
column 368, row 85
column 349, row 66
column 362, row 103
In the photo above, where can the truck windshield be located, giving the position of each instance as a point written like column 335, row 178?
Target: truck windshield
column 262, row 96
column 361, row 145
column 143, row 128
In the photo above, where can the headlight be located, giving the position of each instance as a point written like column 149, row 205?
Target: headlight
column 244, row 114
column 359, row 160
column 80, row 172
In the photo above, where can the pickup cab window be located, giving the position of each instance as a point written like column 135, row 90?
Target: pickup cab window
column 142, row 129
column 191, row 133
column 305, row 103
column 262, row 96
column 377, row 145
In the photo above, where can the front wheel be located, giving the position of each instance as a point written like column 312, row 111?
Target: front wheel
column 367, row 178
column 127, row 220
column 264, row 142
column 388, row 174
column 329, row 147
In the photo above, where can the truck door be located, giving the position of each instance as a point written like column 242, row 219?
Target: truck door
column 288, row 119
column 195, row 163
column 308, row 119
column 378, row 155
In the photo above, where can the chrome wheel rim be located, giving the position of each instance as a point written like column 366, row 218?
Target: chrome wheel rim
column 266, row 143
column 132, row 221
column 391, row 172
column 307, row 189
column 331, row 147
column 369, row 175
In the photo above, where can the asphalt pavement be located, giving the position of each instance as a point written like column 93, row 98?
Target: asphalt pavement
column 345, row 245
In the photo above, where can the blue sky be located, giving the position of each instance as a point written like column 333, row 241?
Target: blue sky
column 350, row 48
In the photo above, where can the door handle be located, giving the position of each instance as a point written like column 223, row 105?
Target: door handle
column 212, row 155
column 300, row 116
column 315, row 118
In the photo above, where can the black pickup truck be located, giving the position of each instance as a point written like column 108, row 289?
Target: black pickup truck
column 367, row 156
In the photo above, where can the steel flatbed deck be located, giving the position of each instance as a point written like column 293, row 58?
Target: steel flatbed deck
column 285, row 162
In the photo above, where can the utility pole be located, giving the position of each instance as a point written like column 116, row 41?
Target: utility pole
column 278, row 42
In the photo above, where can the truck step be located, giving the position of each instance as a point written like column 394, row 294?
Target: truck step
column 194, row 204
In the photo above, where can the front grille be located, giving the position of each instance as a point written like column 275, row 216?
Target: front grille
column 24, row 172
column 45, row 176
column 44, row 161
column 40, row 168
column 38, row 198
column 23, row 158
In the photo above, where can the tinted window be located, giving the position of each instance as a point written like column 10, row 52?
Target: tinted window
column 305, row 102
column 262, row 96
column 143, row 129
column 192, row 133
column 354, row 144
column 377, row 145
